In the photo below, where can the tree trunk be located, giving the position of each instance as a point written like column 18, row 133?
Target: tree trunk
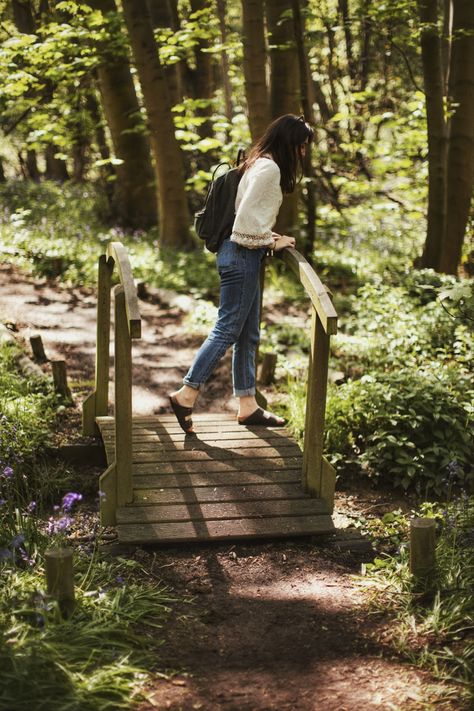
column 107, row 171
column 164, row 13
column 202, row 78
column 254, row 65
column 32, row 165
column 173, row 208
column 346, row 23
column 437, row 139
column 284, row 90
column 56, row 168
column 365, row 56
column 307, row 101
column 225, row 75
column 135, row 194
column 460, row 171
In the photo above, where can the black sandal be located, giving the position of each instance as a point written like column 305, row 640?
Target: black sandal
column 262, row 417
column 182, row 415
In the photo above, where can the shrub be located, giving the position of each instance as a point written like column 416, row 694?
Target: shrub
column 403, row 427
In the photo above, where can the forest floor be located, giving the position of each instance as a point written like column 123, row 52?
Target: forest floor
column 280, row 625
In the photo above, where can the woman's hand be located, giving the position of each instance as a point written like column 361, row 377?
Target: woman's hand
column 282, row 241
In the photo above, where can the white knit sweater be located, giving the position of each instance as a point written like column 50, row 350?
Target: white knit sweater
column 257, row 203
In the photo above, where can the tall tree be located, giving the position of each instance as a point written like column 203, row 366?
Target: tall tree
column 135, row 191
column 164, row 14
column 460, row 168
column 307, row 102
column 284, row 88
column 173, row 208
column 202, row 77
column 254, row 66
column 431, row 57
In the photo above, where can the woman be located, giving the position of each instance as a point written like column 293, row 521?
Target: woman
column 270, row 170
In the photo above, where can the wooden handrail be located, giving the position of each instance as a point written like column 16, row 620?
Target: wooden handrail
column 314, row 287
column 116, row 481
column 117, row 252
column 318, row 476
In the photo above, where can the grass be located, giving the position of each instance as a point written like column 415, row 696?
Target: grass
column 436, row 634
column 97, row 660
column 100, row 658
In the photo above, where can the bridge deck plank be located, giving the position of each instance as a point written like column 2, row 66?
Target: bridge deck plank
column 227, row 482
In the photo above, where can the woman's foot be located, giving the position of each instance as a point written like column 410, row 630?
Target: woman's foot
column 262, row 418
column 182, row 402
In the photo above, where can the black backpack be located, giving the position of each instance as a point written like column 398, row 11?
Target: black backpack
column 214, row 222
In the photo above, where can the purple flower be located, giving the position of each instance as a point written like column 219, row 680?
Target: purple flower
column 8, row 472
column 2, row 502
column 120, row 579
column 63, row 523
column 59, row 525
column 31, row 507
column 17, row 540
column 69, row 500
column 5, row 554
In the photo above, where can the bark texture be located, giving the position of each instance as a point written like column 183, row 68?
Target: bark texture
column 173, row 208
column 135, row 191
column 254, row 66
column 284, row 89
column 431, row 56
column 460, row 168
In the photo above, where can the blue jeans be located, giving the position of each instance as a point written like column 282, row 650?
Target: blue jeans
column 238, row 320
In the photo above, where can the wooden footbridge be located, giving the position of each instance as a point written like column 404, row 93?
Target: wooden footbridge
column 226, row 481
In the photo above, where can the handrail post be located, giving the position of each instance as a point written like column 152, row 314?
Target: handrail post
column 123, row 400
column 318, row 477
column 96, row 404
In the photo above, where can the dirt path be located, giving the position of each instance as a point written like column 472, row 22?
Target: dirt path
column 277, row 626
column 271, row 626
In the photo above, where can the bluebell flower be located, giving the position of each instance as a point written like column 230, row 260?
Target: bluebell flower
column 69, row 500
column 5, row 554
column 31, row 507
column 8, row 472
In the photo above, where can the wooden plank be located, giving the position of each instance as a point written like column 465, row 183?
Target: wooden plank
column 117, row 252
column 315, row 289
column 205, row 427
column 162, row 435
column 315, row 407
column 217, row 493
column 199, row 478
column 198, row 511
column 288, row 455
column 225, row 530
column 270, row 468
column 123, row 400
column 205, row 445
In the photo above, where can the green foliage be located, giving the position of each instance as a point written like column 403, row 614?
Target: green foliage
column 436, row 633
column 57, row 231
column 97, row 660
column 405, row 410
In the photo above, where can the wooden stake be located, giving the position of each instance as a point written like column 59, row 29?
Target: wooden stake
column 142, row 291
column 60, row 379
column 59, row 570
column 422, row 551
column 38, row 349
column 267, row 371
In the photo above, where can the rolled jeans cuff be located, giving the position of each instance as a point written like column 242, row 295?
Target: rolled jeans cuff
column 195, row 386
column 244, row 393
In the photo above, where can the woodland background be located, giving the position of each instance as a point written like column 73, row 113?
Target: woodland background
column 113, row 116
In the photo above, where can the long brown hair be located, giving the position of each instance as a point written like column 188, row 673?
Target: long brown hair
column 283, row 140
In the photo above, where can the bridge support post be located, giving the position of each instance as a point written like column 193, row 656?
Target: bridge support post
column 318, row 475
column 123, row 400
column 96, row 404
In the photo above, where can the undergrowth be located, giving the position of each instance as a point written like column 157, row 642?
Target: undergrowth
column 100, row 657
column 96, row 660
column 435, row 632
